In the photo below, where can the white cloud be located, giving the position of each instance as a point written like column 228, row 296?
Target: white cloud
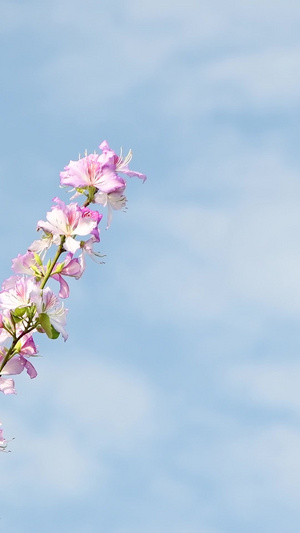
column 274, row 385
column 53, row 460
column 247, row 468
column 103, row 57
column 262, row 79
column 113, row 404
column 91, row 412
column 197, row 259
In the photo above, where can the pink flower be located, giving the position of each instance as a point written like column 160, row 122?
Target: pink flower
column 99, row 171
column 110, row 160
column 114, row 200
column 49, row 304
column 87, row 248
column 16, row 365
column 70, row 267
column 40, row 246
column 17, row 292
column 26, row 346
column 86, row 172
column 90, row 172
column 69, row 221
column 7, row 386
column 24, row 264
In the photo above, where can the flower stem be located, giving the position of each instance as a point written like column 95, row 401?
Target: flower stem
column 9, row 354
column 59, row 251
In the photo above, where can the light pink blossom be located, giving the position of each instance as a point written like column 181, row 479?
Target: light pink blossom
column 99, row 171
column 16, row 292
column 40, row 246
column 114, row 200
column 7, row 386
column 87, row 248
column 47, row 302
column 27, row 346
column 90, row 172
column 16, row 365
column 23, row 264
column 69, row 221
column 86, row 172
column 71, row 267
column 110, row 160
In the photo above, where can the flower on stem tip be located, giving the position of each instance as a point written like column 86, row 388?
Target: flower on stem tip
column 99, row 171
column 97, row 176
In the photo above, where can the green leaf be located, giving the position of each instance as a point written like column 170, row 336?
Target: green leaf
column 47, row 327
column 55, row 334
column 45, row 323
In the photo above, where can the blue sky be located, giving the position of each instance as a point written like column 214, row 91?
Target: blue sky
column 174, row 405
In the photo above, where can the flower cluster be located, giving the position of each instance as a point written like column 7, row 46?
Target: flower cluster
column 27, row 304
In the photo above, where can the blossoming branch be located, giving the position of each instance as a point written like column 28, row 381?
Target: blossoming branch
column 27, row 304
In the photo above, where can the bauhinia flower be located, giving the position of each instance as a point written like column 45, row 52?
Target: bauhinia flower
column 110, row 160
column 51, row 312
column 71, row 267
column 97, row 176
column 114, row 200
column 16, row 292
column 7, row 386
column 16, row 365
column 68, row 221
column 99, row 171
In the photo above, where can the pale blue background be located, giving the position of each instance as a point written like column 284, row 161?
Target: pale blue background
column 174, row 407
